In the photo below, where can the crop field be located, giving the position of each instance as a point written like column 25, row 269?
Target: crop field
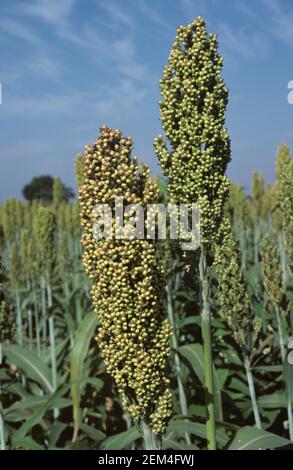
column 136, row 342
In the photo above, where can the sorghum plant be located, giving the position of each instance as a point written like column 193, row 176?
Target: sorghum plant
column 7, row 327
column 275, row 293
column 58, row 193
column 44, row 234
column 256, row 210
column 127, row 282
column 235, row 308
column 7, row 331
column 193, row 116
column 238, row 214
column 284, row 174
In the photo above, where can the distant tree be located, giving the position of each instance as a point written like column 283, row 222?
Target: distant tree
column 41, row 189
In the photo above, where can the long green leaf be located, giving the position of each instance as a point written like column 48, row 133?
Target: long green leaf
column 28, row 361
column 38, row 415
column 194, row 355
column 251, row 438
column 181, row 426
column 95, row 434
column 121, row 440
column 276, row 400
column 83, row 337
column 27, row 443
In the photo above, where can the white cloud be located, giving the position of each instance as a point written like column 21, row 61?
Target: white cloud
column 280, row 21
column 19, row 30
column 29, row 147
column 125, row 97
column 53, row 11
column 118, row 55
column 150, row 11
column 246, row 42
column 195, row 8
column 35, row 107
column 43, row 65
column 117, row 15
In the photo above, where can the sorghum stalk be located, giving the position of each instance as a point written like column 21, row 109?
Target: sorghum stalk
column 44, row 232
column 275, row 291
column 174, row 342
column 234, row 302
column 193, row 117
column 127, row 281
column 207, row 349
column 250, row 381
column 15, row 281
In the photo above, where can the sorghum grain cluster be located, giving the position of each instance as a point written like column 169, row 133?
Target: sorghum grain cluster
column 128, row 281
column 193, row 117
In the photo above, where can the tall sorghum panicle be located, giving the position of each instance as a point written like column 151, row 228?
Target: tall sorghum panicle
column 197, row 153
column 7, row 327
column 274, row 288
column 257, row 191
column 275, row 292
column 232, row 295
column 284, row 174
column 271, row 271
column 256, row 210
column 193, row 117
column 234, row 304
column 58, row 193
column 30, row 275
column 44, row 232
column 269, row 202
column 11, row 218
column 237, row 210
column 127, row 282
column 283, row 158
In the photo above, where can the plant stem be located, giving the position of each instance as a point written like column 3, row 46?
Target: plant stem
column 174, row 341
column 252, row 391
column 283, row 356
column 19, row 319
column 207, row 351
column 149, row 438
column 283, row 256
column 44, row 311
column 2, row 429
column 52, row 347
column 30, row 329
column 280, row 333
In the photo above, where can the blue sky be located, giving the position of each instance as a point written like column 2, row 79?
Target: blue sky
column 68, row 66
